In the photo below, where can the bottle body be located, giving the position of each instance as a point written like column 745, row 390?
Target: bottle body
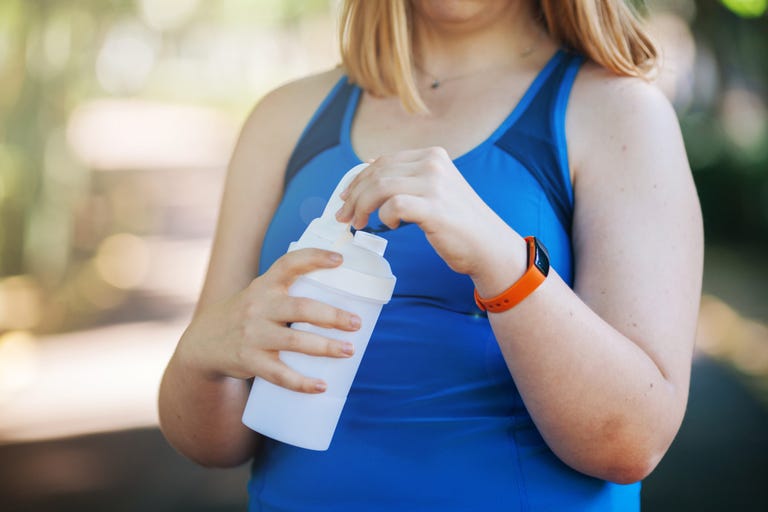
column 361, row 285
column 309, row 420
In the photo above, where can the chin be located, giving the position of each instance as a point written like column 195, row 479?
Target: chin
column 457, row 11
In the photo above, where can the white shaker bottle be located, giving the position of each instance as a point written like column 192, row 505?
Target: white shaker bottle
column 361, row 285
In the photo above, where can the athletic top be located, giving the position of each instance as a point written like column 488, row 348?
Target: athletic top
column 433, row 421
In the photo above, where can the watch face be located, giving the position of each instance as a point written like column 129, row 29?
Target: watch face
column 541, row 257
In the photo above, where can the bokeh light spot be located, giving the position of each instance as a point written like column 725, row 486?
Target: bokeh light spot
column 167, row 14
column 126, row 58
column 18, row 362
column 20, row 303
column 745, row 117
column 122, row 260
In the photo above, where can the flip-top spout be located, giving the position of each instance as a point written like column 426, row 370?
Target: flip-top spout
column 326, row 226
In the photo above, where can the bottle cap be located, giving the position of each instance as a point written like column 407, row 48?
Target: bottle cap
column 371, row 242
column 364, row 273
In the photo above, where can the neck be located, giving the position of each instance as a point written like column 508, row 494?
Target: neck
column 448, row 41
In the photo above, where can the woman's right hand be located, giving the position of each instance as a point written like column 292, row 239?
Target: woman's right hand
column 242, row 336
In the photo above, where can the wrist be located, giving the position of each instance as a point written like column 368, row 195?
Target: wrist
column 502, row 262
column 535, row 274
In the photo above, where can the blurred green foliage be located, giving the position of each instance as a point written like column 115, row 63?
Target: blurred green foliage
column 54, row 56
column 747, row 8
column 725, row 126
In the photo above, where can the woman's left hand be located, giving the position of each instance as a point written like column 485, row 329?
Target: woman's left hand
column 422, row 186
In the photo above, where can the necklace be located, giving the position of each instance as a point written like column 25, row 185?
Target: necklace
column 436, row 82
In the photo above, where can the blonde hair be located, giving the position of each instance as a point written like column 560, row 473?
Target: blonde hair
column 377, row 53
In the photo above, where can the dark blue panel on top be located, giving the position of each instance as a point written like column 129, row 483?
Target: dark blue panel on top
column 532, row 141
column 324, row 130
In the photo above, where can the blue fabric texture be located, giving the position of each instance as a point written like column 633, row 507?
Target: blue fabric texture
column 433, row 421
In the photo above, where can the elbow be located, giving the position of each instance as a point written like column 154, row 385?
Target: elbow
column 631, row 470
column 212, row 452
column 632, row 447
column 625, row 457
column 630, row 460
column 620, row 465
column 218, row 460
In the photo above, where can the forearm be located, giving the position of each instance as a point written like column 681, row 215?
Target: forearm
column 200, row 415
column 603, row 404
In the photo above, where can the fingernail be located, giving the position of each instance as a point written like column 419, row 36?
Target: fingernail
column 354, row 322
column 344, row 193
column 320, row 386
column 335, row 257
column 348, row 348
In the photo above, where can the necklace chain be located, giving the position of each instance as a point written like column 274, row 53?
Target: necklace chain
column 436, row 82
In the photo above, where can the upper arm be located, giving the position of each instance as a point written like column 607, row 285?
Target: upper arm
column 254, row 183
column 637, row 228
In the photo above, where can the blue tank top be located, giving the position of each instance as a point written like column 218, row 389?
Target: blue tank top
column 433, row 421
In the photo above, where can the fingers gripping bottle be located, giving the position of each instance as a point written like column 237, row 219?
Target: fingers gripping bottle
column 361, row 285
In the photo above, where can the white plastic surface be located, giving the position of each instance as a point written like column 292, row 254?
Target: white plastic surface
column 371, row 242
column 306, row 421
column 309, row 420
column 363, row 273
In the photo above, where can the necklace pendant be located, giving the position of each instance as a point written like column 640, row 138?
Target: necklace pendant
column 435, row 84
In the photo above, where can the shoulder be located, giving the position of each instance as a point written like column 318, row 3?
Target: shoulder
column 628, row 159
column 273, row 127
column 295, row 97
column 279, row 117
column 254, row 181
column 622, row 116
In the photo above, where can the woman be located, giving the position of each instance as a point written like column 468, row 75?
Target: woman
column 485, row 121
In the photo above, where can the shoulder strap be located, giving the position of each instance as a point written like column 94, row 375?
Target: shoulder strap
column 537, row 138
column 324, row 129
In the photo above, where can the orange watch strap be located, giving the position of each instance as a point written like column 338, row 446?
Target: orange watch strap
column 521, row 289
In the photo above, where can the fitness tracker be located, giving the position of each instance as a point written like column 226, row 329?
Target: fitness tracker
column 538, row 269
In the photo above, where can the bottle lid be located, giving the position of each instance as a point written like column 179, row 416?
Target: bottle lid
column 358, row 284
column 371, row 242
column 364, row 273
